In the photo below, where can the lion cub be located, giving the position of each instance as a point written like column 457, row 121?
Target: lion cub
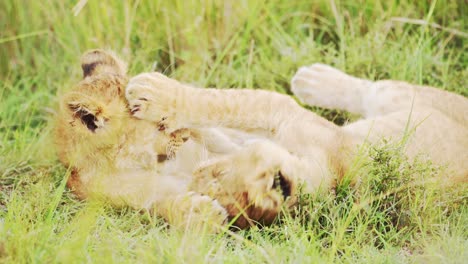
column 128, row 161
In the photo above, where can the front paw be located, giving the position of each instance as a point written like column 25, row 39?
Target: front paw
column 204, row 210
column 253, row 184
column 153, row 97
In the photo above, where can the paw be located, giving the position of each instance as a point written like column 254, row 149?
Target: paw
column 317, row 82
column 204, row 209
column 253, row 184
column 270, row 186
column 318, row 73
column 324, row 86
column 176, row 140
column 153, row 97
column 272, row 173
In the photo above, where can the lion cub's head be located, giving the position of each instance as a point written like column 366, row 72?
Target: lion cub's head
column 92, row 114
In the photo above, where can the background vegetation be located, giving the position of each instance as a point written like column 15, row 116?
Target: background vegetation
column 242, row 43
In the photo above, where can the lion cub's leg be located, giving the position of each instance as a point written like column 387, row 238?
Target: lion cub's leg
column 324, row 86
column 167, row 196
column 255, row 183
column 172, row 105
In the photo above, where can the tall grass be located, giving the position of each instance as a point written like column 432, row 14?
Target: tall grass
column 245, row 43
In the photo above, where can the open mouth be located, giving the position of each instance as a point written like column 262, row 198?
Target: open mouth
column 281, row 184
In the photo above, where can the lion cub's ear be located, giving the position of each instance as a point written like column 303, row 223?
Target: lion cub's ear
column 100, row 61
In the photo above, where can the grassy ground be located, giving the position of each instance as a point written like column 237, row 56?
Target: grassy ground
column 241, row 43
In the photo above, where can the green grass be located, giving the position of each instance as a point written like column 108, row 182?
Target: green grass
column 256, row 44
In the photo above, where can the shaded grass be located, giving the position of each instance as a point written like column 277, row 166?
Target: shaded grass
column 257, row 44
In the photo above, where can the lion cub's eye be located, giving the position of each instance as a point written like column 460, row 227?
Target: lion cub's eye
column 88, row 119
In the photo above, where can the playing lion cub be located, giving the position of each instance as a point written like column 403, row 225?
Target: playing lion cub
column 207, row 172
column 131, row 162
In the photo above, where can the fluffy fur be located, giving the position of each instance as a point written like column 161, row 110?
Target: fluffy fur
column 126, row 161
column 197, row 156
column 303, row 149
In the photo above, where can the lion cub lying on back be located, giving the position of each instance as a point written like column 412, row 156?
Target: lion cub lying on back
column 131, row 162
column 249, row 173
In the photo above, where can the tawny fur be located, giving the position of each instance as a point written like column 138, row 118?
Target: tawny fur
column 126, row 161
column 182, row 162
column 304, row 148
